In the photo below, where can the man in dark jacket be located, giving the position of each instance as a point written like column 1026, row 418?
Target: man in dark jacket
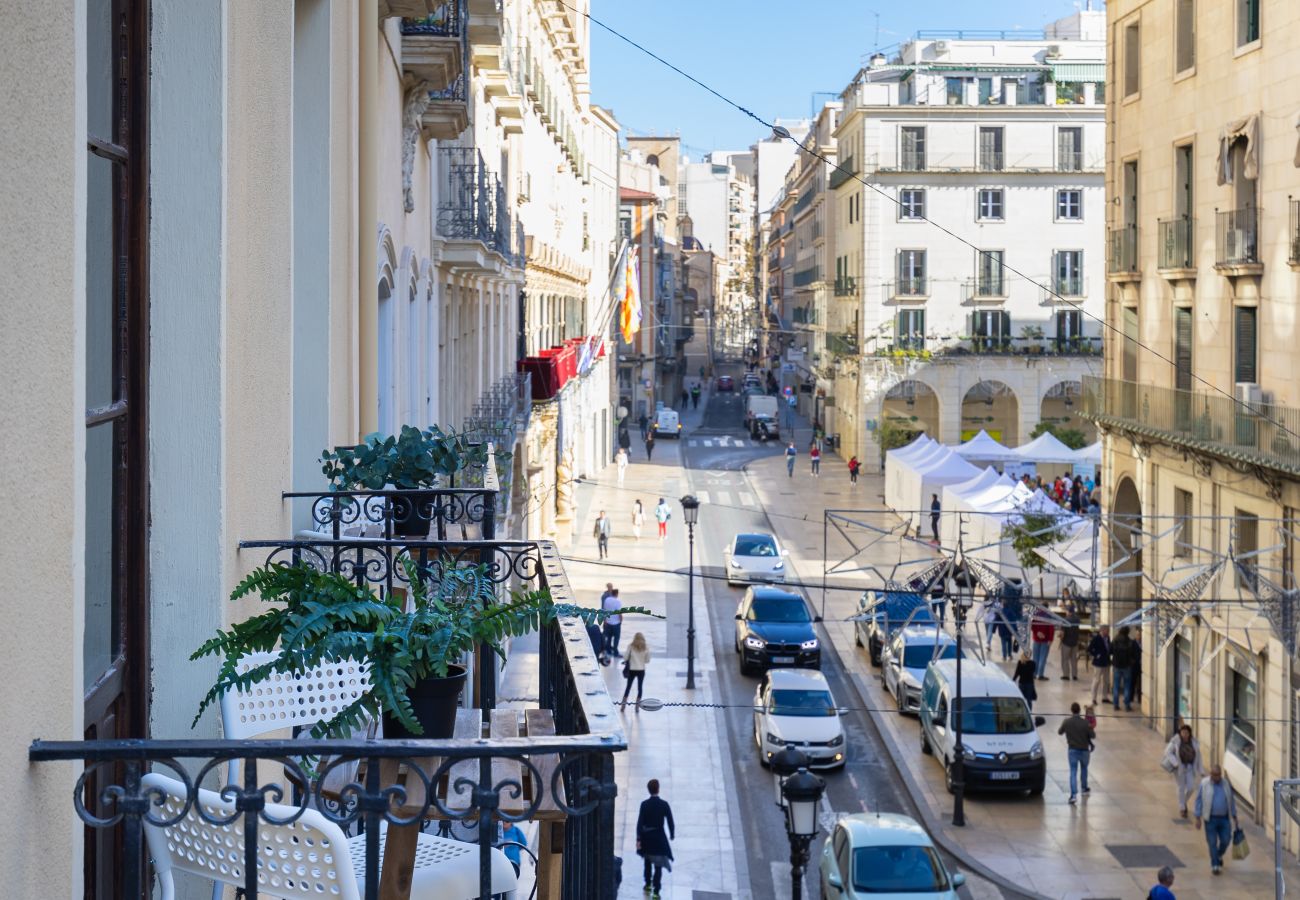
column 1099, row 656
column 1122, row 655
column 652, row 840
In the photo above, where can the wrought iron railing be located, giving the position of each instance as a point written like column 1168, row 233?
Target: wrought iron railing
column 915, row 286
column 990, row 161
column 805, row 199
column 805, row 277
column 1293, row 245
column 845, row 170
column 1176, row 247
column 846, row 286
column 1123, row 246
column 1262, row 434
column 1237, row 237
column 990, row 286
column 445, row 21
column 456, row 92
column 468, row 197
column 842, row 343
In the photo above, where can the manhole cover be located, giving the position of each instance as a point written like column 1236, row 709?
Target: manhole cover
column 1144, row 856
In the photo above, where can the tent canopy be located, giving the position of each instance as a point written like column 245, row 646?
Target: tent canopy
column 1046, row 448
column 1089, row 454
column 984, row 447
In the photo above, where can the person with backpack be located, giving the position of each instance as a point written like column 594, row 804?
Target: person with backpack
column 1122, row 652
column 854, row 466
column 1182, row 759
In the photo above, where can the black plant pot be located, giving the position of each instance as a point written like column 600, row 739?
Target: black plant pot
column 412, row 513
column 435, row 701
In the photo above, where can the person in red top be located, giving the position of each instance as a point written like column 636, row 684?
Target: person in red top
column 815, row 454
column 854, row 466
column 1041, row 632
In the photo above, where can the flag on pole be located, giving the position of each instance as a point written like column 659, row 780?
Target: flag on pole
column 629, row 319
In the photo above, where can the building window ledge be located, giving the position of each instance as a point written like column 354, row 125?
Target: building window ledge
column 1237, row 270
column 1123, row 277
column 1177, row 274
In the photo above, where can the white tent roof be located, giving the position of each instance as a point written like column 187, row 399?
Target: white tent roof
column 923, row 442
column 1046, row 448
column 974, row 485
column 984, row 447
column 1090, row 453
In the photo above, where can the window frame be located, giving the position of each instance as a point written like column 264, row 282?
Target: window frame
column 1059, row 215
column 916, row 273
column 923, row 153
column 1242, row 8
column 903, row 206
column 1237, row 362
column 979, row 205
column 1179, row 7
column 1132, row 60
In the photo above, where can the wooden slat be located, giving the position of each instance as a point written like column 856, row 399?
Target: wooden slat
column 505, row 724
column 469, row 726
column 541, row 723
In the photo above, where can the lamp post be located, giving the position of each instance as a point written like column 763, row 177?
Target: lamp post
column 802, row 792
column 964, row 581
column 691, row 513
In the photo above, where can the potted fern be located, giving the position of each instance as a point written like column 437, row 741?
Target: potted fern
column 412, row 647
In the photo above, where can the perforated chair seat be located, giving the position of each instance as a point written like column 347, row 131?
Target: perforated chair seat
column 444, row 869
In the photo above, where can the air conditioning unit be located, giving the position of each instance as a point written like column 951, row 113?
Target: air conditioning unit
column 1235, row 245
column 940, row 48
column 1053, row 51
column 1249, row 394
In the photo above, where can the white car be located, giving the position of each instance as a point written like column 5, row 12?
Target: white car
column 883, row 855
column 905, row 658
column 755, row 558
column 794, row 708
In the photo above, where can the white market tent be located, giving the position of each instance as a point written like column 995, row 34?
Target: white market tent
column 986, row 449
column 955, row 499
column 1046, row 448
column 1089, row 454
column 929, row 476
column 895, row 462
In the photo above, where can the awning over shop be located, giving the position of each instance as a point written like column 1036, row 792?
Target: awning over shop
column 1079, row 71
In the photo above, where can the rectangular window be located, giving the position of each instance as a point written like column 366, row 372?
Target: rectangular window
column 1067, row 267
column 1069, row 328
column 1183, row 173
column 1245, row 541
column 1184, row 35
column 1069, row 149
column 955, row 90
column 989, row 204
column 911, row 272
column 1183, row 512
column 911, row 203
column 990, row 149
column 1241, row 736
column 910, row 329
column 1247, row 22
column 991, row 328
column 1245, row 340
column 1182, row 348
column 1069, row 205
column 988, row 280
column 985, row 91
column 913, row 148
column 1132, row 59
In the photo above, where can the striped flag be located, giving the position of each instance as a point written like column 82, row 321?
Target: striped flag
column 629, row 319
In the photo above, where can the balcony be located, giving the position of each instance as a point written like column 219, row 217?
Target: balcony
column 842, row 344
column 1211, row 423
column 1122, row 244
column 991, row 162
column 846, row 170
column 804, row 315
column 907, row 288
column 1003, row 346
column 1064, row 287
column 1069, row 161
column 805, row 200
column 1236, row 241
column 911, row 162
column 548, row 759
column 473, row 213
column 1293, row 253
column 1176, row 240
column 989, row 288
column 406, row 9
column 805, row 277
column 846, row 286
column 447, row 114
column 433, row 45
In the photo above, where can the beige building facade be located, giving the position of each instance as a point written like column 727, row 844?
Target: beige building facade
column 1201, row 383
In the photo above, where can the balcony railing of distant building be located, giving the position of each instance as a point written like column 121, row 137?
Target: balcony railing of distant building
column 1237, row 237
column 1259, row 434
column 445, row 21
column 845, row 170
column 916, row 286
column 805, row 277
column 805, row 200
column 846, row 286
column 804, row 315
column 989, row 287
column 1176, row 242
column 991, row 162
column 1293, row 253
column 1069, row 161
column 978, row 34
column 1122, row 257
column 1063, row 289
column 473, row 203
column 842, row 343
column 962, row 164
column 983, row 345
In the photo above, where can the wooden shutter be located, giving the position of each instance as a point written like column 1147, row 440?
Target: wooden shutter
column 1004, row 324
column 1182, row 348
column 1245, row 351
column 1130, row 365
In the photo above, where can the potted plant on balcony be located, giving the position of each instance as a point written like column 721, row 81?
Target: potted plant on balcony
column 412, row 651
column 413, row 460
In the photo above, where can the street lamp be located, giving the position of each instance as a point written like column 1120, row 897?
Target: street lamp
column 691, row 513
column 785, row 762
column 803, row 792
column 964, row 580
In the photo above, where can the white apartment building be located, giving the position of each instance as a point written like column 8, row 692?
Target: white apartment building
column 999, row 139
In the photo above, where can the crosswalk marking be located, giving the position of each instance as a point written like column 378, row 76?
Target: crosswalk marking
column 702, row 496
column 747, row 500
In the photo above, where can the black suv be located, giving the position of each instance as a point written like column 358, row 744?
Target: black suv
column 775, row 628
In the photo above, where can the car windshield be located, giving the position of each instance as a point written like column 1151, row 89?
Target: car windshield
column 918, row 656
column 995, row 715
column 755, row 545
column 898, row 870
column 778, row 609
column 802, row 703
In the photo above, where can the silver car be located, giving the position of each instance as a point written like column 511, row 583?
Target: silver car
column 755, row 558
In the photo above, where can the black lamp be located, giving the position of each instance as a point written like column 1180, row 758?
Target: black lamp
column 691, row 514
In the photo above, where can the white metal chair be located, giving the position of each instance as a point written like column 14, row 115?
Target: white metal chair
column 308, row 858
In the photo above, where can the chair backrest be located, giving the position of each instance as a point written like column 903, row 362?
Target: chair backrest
column 308, row 858
column 285, row 700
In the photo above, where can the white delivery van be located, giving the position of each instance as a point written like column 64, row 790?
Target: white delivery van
column 1000, row 747
column 667, row 424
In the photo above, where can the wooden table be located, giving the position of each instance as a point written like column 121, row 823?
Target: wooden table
column 400, row 845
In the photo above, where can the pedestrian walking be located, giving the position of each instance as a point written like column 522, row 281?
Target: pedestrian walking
column 1164, row 881
column 1079, row 737
column 597, row 637
column 1070, row 644
column 1013, row 610
column 613, row 623
column 638, row 655
column 992, row 616
column 939, row 602
column 638, row 519
column 624, row 439
column 620, row 460
column 1099, row 658
column 1182, row 759
column 1122, row 654
column 695, row 397
column 1024, row 678
column 1135, row 682
column 511, row 837
column 686, row 399
column 645, row 426
column 654, row 828
column 790, row 454
column 815, row 457
column 1041, row 634
column 601, row 533
column 662, row 515
column 854, row 466
column 1216, row 808
column 935, row 510
column 649, row 447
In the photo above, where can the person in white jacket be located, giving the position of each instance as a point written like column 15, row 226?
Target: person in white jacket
column 1182, row 759
column 620, row 458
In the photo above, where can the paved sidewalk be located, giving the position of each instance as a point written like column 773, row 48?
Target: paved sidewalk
column 1111, row 844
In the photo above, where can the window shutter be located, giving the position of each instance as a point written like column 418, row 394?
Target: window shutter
column 1130, row 343
column 1182, row 348
column 1004, row 322
column 920, row 323
column 1246, row 343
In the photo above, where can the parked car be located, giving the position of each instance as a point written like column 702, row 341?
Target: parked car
column 667, row 424
column 884, row 855
column 794, row 708
column 755, row 557
column 882, row 613
column 774, row 627
column 907, row 656
column 1000, row 747
column 726, row 383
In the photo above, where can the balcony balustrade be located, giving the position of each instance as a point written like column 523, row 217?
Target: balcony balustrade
column 473, row 203
column 433, row 45
column 845, row 170
column 989, row 287
column 1123, row 246
column 1069, row 161
column 1176, row 236
column 1237, row 237
column 804, row 201
column 916, row 286
column 846, row 286
column 805, row 277
column 911, row 161
column 991, row 161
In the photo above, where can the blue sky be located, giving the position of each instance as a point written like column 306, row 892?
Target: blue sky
column 767, row 56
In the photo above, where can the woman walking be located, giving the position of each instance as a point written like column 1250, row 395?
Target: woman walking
column 638, row 654
column 662, row 515
column 815, row 456
column 638, row 519
column 1183, row 760
column 620, row 459
column 854, row 466
column 649, row 446
column 1025, row 675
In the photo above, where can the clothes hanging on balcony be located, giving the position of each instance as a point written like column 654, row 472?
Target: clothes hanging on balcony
column 1246, row 129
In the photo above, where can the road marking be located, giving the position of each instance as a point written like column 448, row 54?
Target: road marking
column 747, row 500
column 692, row 443
column 708, row 442
column 702, row 496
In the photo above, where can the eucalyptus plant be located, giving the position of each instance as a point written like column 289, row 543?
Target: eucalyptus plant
column 322, row 617
column 412, row 458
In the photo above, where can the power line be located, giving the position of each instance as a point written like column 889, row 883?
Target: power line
column 783, row 133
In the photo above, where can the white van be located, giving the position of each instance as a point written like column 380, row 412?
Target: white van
column 667, row 424
column 1000, row 746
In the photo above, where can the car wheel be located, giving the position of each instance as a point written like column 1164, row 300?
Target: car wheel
column 875, row 654
column 947, row 777
column 857, row 638
column 736, row 645
column 898, row 697
column 925, row 743
column 1036, row 790
column 746, row 669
